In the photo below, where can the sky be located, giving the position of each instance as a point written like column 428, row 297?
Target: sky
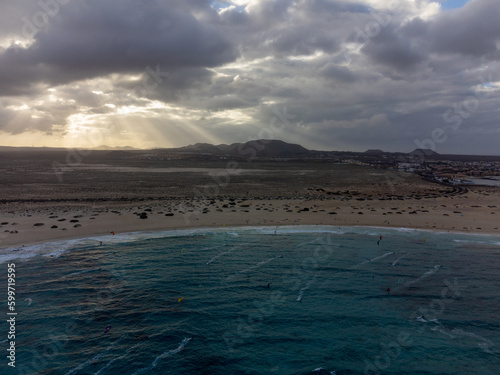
column 327, row 74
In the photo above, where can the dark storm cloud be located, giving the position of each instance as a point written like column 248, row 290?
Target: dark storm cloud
column 393, row 49
column 471, row 30
column 89, row 38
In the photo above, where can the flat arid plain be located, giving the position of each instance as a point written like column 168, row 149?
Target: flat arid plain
column 43, row 198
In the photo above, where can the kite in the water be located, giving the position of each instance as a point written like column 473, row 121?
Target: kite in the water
column 380, row 238
column 107, row 329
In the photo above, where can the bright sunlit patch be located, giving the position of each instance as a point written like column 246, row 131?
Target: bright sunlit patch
column 242, row 64
column 129, row 109
column 316, row 55
column 23, row 107
column 224, row 6
column 9, row 42
column 233, row 116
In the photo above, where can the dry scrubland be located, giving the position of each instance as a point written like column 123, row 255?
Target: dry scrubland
column 107, row 194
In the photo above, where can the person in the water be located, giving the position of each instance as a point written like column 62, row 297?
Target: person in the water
column 107, row 329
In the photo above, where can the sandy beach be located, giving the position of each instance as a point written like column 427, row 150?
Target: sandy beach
column 473, row 212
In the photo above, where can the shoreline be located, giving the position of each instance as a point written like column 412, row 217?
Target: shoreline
column 243, row 227
column 57, row 247
column 38, row 225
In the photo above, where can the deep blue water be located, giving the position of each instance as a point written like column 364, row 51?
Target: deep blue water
column 301, row 300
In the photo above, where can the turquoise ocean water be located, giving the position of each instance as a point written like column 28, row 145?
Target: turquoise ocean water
column 287, row 300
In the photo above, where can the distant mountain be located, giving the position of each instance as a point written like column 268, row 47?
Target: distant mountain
column 98, row 148
column 260, row 148
column 427, row 153
column 11, row 148
column 109, row 148
column 374, row 151
column 200, row 148
column 268, row 148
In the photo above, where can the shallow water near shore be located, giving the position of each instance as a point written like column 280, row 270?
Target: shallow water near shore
column 259, row 300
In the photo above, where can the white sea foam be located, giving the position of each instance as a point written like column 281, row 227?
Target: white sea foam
column 92, row 360
column 396, row 262
column 301, row 293
column 67, row 276
column 221, row 254
column 117, row 358
column 80, row 272
column 442, row 331
column 321, row 368
column 461, row 332
column 373, row 260
column 164, row 355
column 261, row 263
column 425, row 275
